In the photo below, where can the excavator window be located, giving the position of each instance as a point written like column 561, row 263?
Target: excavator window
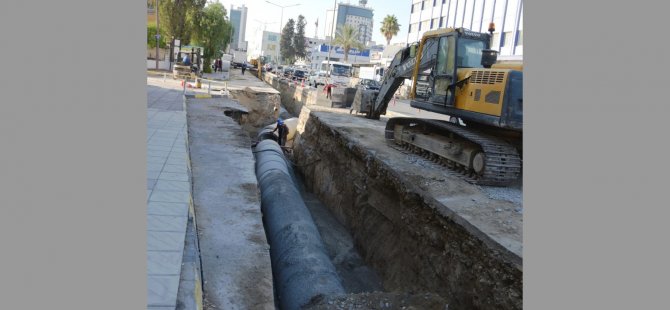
column 470, row 53
column 445, row 70
column 445, row 56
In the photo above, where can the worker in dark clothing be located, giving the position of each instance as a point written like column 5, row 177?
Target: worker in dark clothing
column 283, row 132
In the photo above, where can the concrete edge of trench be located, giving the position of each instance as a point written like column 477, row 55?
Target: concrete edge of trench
column 190, row 292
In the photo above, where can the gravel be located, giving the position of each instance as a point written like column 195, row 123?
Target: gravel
column 511, row 194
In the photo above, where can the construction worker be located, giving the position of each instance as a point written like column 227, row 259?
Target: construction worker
column 328, row 88
column 283, row 132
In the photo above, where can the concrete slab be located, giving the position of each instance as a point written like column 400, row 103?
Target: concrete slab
column 234, row 251
column 176, row 186
column 165, row 241
column 170, row 223
column 170, row 196
column 162, row 290
column 163, row 263
column 171, row 176
column 167, row 206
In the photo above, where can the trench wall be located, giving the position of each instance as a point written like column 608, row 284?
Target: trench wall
column 293, row 97
column 402, row 232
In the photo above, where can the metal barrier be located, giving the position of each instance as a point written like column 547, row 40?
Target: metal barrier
column 184, row 81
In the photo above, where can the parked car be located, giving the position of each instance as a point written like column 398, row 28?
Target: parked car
column 318, row 78
column 288, row 72
column 369, row 84
column 299, row 75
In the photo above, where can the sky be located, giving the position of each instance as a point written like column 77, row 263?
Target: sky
column 261, row 15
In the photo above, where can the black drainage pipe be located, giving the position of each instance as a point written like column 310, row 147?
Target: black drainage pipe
column 302, row 269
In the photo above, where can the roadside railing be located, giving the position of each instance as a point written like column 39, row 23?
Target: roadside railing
column 186, row 79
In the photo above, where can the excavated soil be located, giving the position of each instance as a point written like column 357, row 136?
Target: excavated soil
column 420, row 228
column 263, row 107
column 380, row 300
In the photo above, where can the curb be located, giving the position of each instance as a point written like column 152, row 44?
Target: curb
column 197, row 289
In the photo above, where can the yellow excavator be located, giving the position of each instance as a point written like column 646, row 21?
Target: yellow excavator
column 454, row 72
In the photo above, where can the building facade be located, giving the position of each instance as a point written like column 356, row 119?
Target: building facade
column 358, row 16
column 474, row 15
column 270, row 45
column 238, row 18
column 320, row 53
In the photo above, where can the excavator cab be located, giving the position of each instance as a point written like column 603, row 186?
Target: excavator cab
column 449, row 51
column 457, row 77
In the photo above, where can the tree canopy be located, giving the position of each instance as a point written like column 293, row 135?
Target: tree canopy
column 286, row 47
column 389, row 28
column 347, row 38
column 213, row 31
column 299, row 38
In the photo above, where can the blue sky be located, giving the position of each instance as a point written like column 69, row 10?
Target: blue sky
column 260, row 12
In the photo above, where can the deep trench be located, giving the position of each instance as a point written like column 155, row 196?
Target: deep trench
column 423, row 258
column 354, row 275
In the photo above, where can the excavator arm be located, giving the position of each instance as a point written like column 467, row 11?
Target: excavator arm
column 374, row 103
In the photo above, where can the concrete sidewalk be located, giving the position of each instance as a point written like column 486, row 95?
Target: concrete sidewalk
column 205, row 212
column 168, row 194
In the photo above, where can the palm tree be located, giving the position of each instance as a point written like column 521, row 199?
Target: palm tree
column 390, row 27
column 347, row 37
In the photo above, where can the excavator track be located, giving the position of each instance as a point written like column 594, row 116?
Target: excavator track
column 497, row 162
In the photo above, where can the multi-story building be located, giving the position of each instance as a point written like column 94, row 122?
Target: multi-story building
column 311, row 44
column 358, row 16
column 238, row 18
column 474, row 15
column 270, row 45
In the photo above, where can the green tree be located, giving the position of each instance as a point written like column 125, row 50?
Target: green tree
column 151, row 37
column 347, row 37
column 286, row 47
column 172, row 15
column 179, row 18
column 390, row 28
column 213, row 32
column 299, row 37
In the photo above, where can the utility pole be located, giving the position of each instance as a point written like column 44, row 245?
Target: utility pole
column 332, row 34
column 158, row 31
column 281, row 21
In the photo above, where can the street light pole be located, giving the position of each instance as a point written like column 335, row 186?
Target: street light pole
column 158, row 31
column 281, row 21
column 332, row 34
column 281, row 30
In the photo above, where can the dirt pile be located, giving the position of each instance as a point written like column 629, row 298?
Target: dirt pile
column 264, row 107
column 380, row 300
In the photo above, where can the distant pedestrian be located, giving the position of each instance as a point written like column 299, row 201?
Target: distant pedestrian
column 283, row 132
column 328, row 89
column 244, row 67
